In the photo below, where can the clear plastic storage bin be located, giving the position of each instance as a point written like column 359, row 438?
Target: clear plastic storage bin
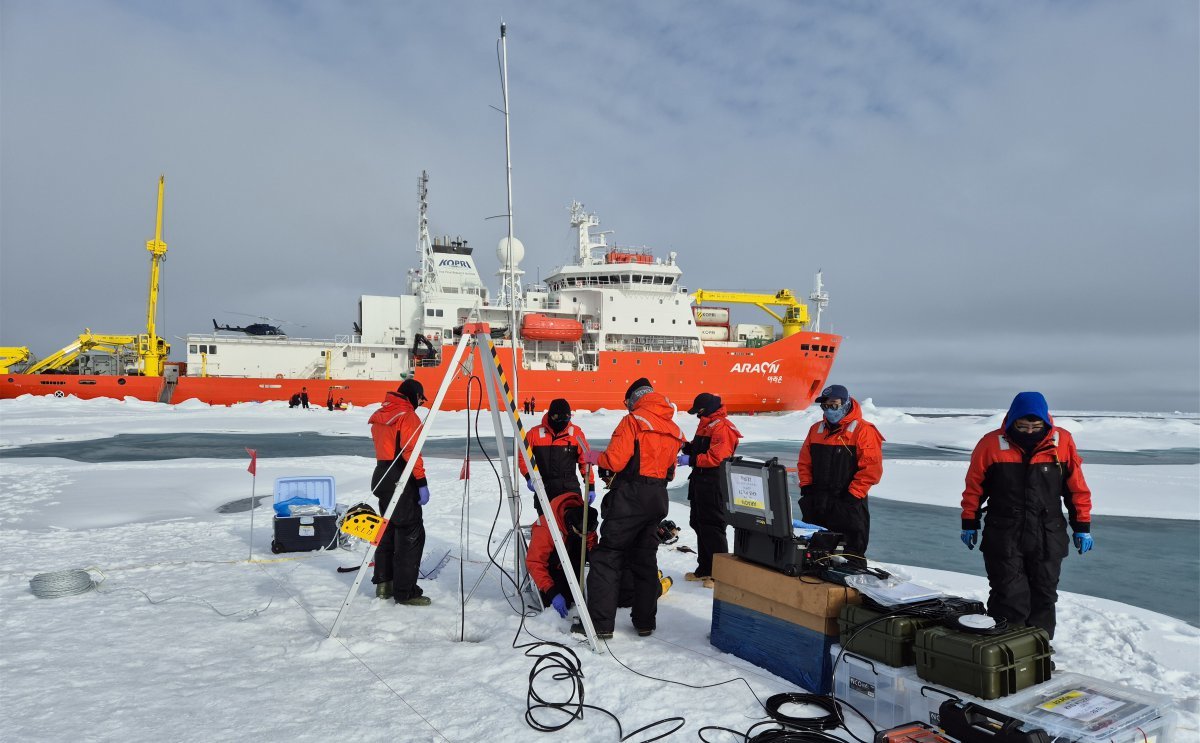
column 1077, row 708
column 876, row 689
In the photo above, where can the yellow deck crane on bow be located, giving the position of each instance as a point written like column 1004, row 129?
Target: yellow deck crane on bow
column 150, row 349
column 795, row 315
column 10, row 356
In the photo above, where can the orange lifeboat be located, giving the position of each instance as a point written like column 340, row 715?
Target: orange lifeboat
column 537, row 327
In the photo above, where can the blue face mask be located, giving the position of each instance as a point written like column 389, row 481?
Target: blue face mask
column 835, row 416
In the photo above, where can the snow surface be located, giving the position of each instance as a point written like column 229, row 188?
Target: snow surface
column 112, row 665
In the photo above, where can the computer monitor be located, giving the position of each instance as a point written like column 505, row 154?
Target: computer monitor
column 756, row 496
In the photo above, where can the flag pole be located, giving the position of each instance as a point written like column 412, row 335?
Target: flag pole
column 253, row 470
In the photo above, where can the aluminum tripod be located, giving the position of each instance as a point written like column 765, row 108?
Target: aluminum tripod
column 479, row 335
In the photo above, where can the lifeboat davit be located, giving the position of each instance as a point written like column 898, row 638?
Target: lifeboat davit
column 537, row 327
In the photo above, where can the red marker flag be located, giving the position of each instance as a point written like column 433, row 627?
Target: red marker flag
column 253, row 468
column 465, row 472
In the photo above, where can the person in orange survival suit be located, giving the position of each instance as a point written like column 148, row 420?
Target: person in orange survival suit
column 841, row 458
column 1023, row 472
column 395, row 428
column 639, row 462
column 560, row 449
column 715, row 441
column 541, row 560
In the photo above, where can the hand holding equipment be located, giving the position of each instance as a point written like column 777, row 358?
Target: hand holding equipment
column 969, row 537
column 559, row 604
column 683, row 460
column 529, row 484
column 591, row 456
column 591, row 494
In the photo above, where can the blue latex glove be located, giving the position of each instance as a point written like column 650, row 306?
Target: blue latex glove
column 529, row 484
column 559, row 604
column 969, row 537
column 683, row 460
column 591, row 494
column 422, row 495
column 1083, row 541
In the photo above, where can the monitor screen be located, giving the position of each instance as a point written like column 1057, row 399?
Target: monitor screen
column 756, row 496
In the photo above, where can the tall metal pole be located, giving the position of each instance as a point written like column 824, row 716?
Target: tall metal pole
column 513, row 330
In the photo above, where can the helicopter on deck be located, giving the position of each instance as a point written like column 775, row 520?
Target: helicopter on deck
column 265, row 328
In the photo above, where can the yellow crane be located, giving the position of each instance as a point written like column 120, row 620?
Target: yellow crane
column 10, row 356
column 151, row 350
column 795, row 315
column 88, row 341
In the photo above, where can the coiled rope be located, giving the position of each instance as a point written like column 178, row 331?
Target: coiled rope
column 63, row 583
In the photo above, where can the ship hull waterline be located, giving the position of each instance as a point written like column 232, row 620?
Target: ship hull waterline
column 775, row 377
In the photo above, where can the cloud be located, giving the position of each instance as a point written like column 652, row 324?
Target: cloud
column 960, row 172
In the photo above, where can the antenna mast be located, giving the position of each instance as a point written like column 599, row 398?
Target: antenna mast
column 510, row 245
column 820, row 298
column 424, row 244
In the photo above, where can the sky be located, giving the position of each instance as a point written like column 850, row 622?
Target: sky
column 1001, row 196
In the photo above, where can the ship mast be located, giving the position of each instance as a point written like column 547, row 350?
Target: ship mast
column 424, row 244
column 820, row 298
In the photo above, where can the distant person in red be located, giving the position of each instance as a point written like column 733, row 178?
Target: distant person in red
column 840, row 460
column 395, row 428
column 559, row 449
column 1021, row 476
column 638, row 463
column 532, row 406
column 542, row 562
column 304, row 397
column 715, row 441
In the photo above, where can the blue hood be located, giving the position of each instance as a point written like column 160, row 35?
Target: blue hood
column 1028, row 403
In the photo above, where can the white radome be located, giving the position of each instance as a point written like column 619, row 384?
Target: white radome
column 502, row 252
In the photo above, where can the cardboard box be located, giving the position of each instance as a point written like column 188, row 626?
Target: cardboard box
column 809, row 596
column 740, row 597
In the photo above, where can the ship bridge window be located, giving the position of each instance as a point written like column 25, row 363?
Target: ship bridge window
column 192, row 348
column 803, row 346
column 434, row 313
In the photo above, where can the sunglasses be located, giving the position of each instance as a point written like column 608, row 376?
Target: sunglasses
column 832, row 405
column 561, row 418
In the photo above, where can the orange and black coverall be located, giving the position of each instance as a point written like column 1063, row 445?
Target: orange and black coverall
column 541, row 560
column 642, row 455
column 560, row 460
column 838, row 465
column 715, row 441
column 1024, row 534
column 395, row 428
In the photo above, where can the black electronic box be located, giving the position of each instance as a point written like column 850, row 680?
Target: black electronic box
column 759, row 508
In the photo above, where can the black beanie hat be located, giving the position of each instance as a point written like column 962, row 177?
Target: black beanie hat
column 559, row 406
column 636, row 390
column 413, row 390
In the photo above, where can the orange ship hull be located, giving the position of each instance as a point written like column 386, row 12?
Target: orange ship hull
column 784, row 375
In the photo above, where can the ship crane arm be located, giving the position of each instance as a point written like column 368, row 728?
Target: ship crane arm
column 10, row 356
column 795, row 315
column 88, row 341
